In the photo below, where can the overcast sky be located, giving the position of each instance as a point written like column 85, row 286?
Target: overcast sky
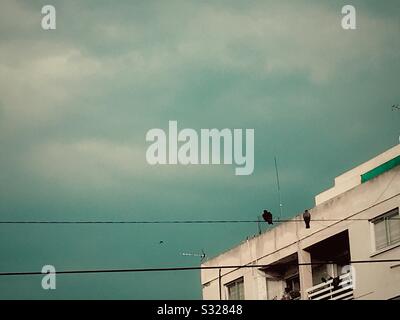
column 76, row 103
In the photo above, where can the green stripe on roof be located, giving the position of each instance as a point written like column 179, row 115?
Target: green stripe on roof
column 380, row 169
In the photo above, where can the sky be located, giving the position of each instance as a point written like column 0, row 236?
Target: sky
column 76, row 104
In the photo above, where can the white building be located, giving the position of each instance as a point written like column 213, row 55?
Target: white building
column 356, row 221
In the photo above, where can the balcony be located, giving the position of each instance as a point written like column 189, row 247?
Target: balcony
column 333, row 280
column 343, row 290
column 282, row 279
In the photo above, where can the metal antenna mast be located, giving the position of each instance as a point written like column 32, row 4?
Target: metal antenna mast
column 279, row 189
column 396, row 107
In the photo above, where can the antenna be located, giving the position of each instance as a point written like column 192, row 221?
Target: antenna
column 279, row 189
column 396, row 107
column 202, row 255
column 258, row 224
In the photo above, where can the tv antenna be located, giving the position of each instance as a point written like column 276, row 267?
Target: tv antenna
column 202, row 255
column 396, row 107
column 279, row 189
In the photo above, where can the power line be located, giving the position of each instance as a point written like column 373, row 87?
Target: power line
column 171, row 221
column 192, row 221
column 193, row 268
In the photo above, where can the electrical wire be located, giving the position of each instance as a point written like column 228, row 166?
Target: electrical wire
column 193, row 268
column 171, row 221
column 191, row 221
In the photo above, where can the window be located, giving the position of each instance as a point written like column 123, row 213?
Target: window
column 387, row 229
column 293, row 287
column 293, row 283
column 236, row 289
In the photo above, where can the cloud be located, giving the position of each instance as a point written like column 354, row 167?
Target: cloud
column 36, row 90
column 149, row 65
column 87, row 162
column 17, row 17
column 266, row 39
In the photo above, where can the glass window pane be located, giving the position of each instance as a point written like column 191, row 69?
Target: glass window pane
column 236, row 290
column 232, row 292
column 380, row 235
column 394, row 229
column 241, row 290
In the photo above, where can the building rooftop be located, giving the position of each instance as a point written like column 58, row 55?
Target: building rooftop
column 281, row 234
column 362, row 173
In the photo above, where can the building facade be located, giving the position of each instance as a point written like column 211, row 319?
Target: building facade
column 355, row 229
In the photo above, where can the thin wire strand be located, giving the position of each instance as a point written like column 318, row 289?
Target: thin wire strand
column 192, row 268
column 171, row 221
column 193, row 221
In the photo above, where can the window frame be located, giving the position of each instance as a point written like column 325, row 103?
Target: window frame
column 385, row 217
column 235, row 284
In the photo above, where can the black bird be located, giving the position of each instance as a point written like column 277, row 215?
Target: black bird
column 307, row 218
column 161, row 242
column 267, row 216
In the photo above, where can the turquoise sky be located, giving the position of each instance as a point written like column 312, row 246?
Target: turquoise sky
column 76, row 103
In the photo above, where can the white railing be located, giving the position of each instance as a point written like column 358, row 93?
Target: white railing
column 326, row 290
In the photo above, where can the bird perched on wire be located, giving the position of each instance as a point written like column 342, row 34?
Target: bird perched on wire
column 307, row 218
column 267, row 216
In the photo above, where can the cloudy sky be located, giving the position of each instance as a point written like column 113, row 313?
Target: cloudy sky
column 76, row 103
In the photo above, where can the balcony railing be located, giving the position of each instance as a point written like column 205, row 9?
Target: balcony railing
column 326, row 290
